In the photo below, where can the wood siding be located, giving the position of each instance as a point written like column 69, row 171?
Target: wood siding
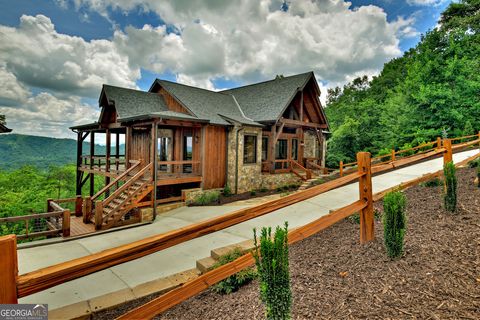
column 172, row 103
column 140, row 148
column 214, row 157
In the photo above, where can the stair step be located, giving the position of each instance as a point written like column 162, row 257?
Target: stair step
column 205, row 264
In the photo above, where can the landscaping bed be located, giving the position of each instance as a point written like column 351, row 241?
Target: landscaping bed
column 334, row 277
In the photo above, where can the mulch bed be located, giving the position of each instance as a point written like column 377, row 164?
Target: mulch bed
column 437, row 278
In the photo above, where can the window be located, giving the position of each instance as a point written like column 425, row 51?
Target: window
column 281, row 149
column 294, row 149
column 249, row 149
column 264, row 148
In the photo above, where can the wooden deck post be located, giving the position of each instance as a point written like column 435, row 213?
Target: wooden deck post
column 271, row 148
column 66, row 223
column 9, row 269
column 78, row 205
column 447, row 156
column 98, row 214
column 341, row 168
column 439, row 142
column 48, row 204
column 92, row 154
column 367, row 232
column 87, row 209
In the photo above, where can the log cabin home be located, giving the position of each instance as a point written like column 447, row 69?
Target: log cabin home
column 179, row 138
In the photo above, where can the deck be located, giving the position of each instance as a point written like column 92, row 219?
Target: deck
column 78, row 228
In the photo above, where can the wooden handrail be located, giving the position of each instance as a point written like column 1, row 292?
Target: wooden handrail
column 117, row 180
column 308, row 173
column 127, row 184
column 32, row 216
column 180, row 162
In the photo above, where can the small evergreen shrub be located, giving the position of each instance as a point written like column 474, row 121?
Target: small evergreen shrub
column 271, row 257
column 253, row 192
column 394, row 223
column 227, row 191
column 450, row 196
column 234, row 282
column 206, row 198
column 263, row 189
column 435, row 182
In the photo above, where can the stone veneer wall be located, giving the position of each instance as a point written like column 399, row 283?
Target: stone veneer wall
column 249, row 175
column 273, row 181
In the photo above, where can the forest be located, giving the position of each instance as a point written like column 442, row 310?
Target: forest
column 432, row 90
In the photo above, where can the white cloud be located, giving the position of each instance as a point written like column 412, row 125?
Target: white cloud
column 47, row 115
column 40, row 57
column 426, row 2
column 249, row 40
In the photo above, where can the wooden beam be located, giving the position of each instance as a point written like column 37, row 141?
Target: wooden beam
column 128, row 146
column 9, row 267
column 92, row 153
column 447, row 156
column 279, row 132
column 154, row 167
column 301, row 106
column 367, row 222
column 271, row 148
column 79, row 162
column 295, row 123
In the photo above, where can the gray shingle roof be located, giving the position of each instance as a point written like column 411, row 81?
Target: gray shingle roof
column 250, row 105
column 206, row 104
column 267, row 100
column 131, row 103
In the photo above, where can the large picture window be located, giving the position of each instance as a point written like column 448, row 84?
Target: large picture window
column 249, row 149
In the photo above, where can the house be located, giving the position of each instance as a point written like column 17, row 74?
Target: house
column 3, row 125
column 179, row 137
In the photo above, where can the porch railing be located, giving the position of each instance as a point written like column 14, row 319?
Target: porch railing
column 180, row 167
column 102, row 163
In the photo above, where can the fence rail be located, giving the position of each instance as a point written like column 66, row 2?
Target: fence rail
column 48, row 277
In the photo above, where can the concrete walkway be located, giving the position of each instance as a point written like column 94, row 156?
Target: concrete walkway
column 137, row 278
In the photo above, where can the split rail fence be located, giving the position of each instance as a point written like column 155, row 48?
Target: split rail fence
column 14, row 286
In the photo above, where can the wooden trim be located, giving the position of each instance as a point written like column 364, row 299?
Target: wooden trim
column 296, row 123
column 178, row 180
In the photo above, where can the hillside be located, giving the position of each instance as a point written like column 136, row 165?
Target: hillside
column 432, row 90
column 18, row 150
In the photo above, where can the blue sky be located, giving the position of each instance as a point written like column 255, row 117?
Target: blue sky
column 61, row 51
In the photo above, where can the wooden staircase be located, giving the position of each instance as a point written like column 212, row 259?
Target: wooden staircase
column 300, row 171
column 120, row 197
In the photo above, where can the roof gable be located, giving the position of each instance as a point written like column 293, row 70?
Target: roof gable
column 131, row 103
column 266, row 101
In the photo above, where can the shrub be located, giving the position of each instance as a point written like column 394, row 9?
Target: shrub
column 234, row 282
column 206, row 198
column 271, row 257
column 386, row 153
column 435, row 182
column 394, row 223
column 253, row 192
column 263, row 189
column 450, row 196
column 227, row 191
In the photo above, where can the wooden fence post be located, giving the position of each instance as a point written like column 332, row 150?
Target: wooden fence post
column 9, row 269
column 439, row 142
column 367, row 232
column 87, row 209
column 98, row 214
column 66, row 223
column 393, row 155
column 78, row 206
column 48, row 204
column 447, row 156
column 341, row 168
